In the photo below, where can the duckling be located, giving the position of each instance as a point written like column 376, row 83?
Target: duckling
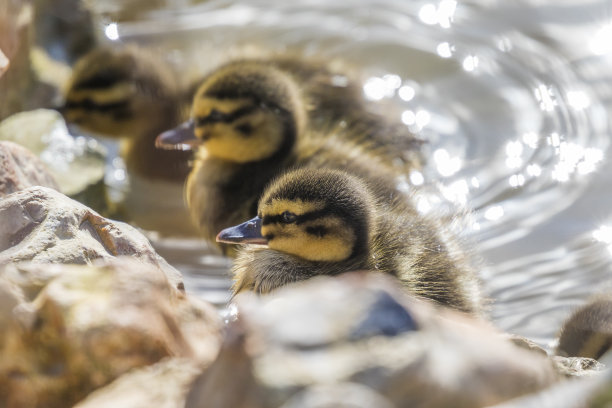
column 254, row 118
column 128, row 93
column 325, row 222
column 588, row 331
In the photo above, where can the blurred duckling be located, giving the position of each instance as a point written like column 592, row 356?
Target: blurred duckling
column 254, row 118
column 588, row 331
column 325, row 222
column 129, row 94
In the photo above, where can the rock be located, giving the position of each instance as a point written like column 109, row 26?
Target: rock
column 162, row 385
column 42, row 225
column 70, row 329
column 19, row 168
column 77, row 164
column 360, row 332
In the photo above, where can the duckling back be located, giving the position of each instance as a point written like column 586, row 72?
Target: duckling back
column 588, row 331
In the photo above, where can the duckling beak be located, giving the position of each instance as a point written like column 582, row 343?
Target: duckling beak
column 181, row 137
column 246, row 233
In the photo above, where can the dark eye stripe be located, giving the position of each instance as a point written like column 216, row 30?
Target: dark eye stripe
column 102, row 80
column 88, row 104
column 215, row 116
column 278, row 219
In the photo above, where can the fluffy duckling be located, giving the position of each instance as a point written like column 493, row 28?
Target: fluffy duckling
column 588, row 331
column 325, row 222
column 253, row 119
column 128, row 93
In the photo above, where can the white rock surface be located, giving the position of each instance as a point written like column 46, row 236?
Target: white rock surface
column 42, row 225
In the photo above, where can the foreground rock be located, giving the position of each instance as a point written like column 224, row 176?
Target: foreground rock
column 358, row 341
column 42, row 225
column 19, row 169
column 66, row 330
column 162, row 385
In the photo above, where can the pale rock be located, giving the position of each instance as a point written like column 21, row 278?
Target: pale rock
column 42, row 225
column 162, row 385
column 70, row 329
column 20, row 168
column 361, row 332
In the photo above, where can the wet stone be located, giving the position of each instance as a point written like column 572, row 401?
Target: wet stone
column 327, row 334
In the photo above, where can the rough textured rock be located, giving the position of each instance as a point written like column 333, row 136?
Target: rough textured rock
column 360, row 332
column 69, row 329
column 162, row 385
column 19, row 169
column 42, row 225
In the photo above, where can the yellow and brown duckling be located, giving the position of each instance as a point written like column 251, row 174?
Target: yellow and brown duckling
column 588, row 331
column 253, row 119
column 325, row 222
column 129, row 93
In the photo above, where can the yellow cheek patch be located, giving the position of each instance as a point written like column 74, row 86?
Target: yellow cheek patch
column 336, row 245
column 298, row 207
column 227, row 143
column 118, row 93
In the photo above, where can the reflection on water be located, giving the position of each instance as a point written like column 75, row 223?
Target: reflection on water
column 515, row 112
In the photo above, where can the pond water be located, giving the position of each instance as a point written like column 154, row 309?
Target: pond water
column 513, row 98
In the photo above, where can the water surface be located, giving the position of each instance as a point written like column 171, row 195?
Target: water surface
column 512, row 98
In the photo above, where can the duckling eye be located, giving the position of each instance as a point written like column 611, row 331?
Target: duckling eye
column 288, row 217
column 215, row 116
column 246, row 129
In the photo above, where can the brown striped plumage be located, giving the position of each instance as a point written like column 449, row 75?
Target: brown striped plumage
column 326, row 222
column 256, row 118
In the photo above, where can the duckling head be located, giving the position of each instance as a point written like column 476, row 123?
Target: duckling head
column 243, row 112
column 316, row 215
column 119, row 92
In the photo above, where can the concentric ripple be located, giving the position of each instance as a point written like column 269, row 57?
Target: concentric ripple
column 515, row 129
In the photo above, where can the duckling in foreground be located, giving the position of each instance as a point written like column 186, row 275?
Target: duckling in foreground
column 588, row 331
column 325, row 222
column 128, row 93
column 253, row 119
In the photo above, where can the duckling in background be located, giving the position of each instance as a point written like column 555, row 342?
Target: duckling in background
column 588, row 331
column 254, row 118
column 129, row 94
column 325, row 222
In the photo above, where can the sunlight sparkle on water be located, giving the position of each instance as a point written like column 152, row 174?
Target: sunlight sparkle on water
column 111, row 32
column 446, row 165
column 406, row 93
column 545, row 96
column 470, row 63
column 494, row 213
column 600, row 43
column 376, row 88
column 514, row 150
column 457, row 192
column 445, row 50
column 416, row 178
column 604, row 234
column 516, row 180
column 534, row 170
column 578, row 100
column 441, row 14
